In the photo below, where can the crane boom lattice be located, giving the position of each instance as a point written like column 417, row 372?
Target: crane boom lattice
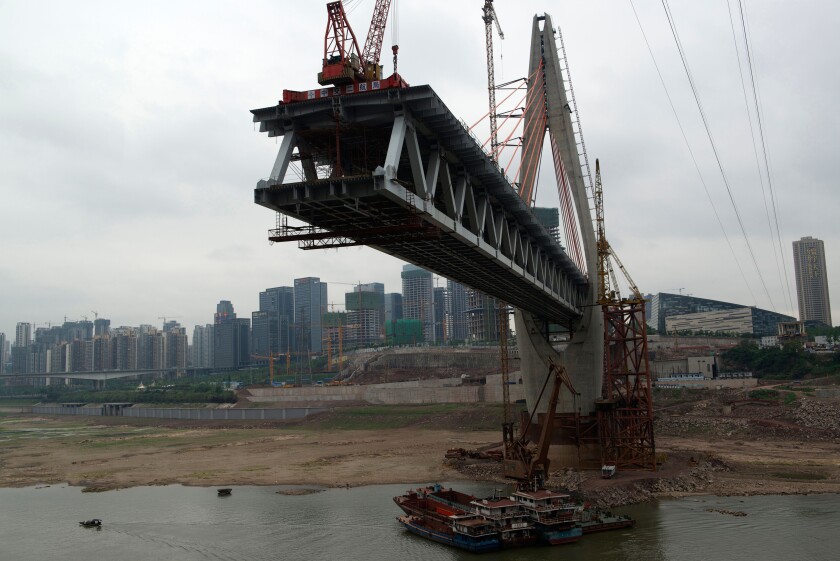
column 625, row 414
column 489, row 18
column 373, row 44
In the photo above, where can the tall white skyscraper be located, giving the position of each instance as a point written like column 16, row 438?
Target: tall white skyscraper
column 23, row 334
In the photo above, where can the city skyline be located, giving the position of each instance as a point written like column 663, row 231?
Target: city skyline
column 292, row 319
column 154, row 206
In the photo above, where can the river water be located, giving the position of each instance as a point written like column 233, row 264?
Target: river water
column 255, row 523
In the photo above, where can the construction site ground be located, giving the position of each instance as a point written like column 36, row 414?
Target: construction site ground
column 710, row 442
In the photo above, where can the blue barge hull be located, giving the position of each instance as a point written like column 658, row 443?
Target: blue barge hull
column 455, row 540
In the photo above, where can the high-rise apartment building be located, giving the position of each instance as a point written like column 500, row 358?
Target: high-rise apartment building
column 151, row 350
column 81, row 357
column 440, row 314
column 279, row 302
column 378, row 289
column 61, row 358
column 335, row 327
column 124, row 348
column 482, row 316
column 2, row 353
column 310, row 306
column 101, row 326
column 393, row 307
column 101, row 353
column 231, row 338
column 176, row 346
column 264, row 335
column 365, row 315
column 202, row 346
column 456, row 311
column 811, row 280
column 74, row 330
column 419, row 298
column 23, row 334
column 549, row 217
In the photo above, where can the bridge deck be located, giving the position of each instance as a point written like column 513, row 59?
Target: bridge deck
column 415, row 184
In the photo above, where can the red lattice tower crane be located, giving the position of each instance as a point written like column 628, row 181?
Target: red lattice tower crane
column 347, row 69
column 344, row 62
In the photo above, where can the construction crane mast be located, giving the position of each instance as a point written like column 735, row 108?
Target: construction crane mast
column 508, row 437
column 625, row 410
column 271, row 358
column 608, row 290
column 489, row 18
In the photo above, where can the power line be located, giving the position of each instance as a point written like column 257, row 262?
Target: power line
column 755, row 147
column 757, row 100
column 691, row 82
column 691, row 153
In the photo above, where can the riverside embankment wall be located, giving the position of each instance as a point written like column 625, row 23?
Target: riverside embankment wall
column 185, row 413
column 456, row 360
column 414, row 392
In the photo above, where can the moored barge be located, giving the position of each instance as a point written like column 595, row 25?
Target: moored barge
column 527, row 517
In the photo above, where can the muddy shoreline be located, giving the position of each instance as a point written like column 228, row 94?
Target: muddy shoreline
column 101, row 457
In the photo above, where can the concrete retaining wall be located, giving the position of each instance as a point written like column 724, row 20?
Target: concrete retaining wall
column 15, row 409
column 225, row 414
column 58, row 410
column 419, row 391
column 441, row 359
column 708, row 383
column 222, row 414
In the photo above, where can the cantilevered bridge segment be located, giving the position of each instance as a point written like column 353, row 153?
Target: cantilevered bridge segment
column 396, row 170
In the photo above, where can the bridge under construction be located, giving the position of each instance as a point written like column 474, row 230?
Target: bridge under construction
column 382, row 164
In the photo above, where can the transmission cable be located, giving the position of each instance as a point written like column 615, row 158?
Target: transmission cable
column 691, row 82
column 691, row 153
column 757, row 101
column 755, row 148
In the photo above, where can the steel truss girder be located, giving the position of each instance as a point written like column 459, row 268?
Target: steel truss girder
column 434, row 171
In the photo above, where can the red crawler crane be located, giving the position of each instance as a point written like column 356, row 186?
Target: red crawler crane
column 348, row 68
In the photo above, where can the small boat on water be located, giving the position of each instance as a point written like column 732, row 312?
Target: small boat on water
column 225, row 492
column 593, row 520
column 92, row 523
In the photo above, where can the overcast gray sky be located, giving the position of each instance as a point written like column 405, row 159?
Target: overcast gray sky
column 128, row 156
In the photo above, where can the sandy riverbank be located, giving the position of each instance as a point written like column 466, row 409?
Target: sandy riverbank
column 112, row 456
column 705, row 454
